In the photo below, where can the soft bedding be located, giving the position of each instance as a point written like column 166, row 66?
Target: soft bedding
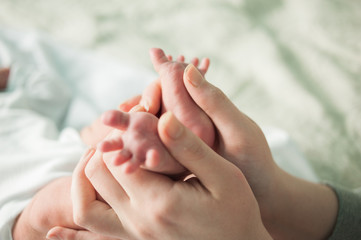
column 53, row 92
column 293, row 66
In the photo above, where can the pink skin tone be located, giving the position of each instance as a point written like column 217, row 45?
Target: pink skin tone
column 136, row 140
column 97, row 131
column 41, row 215
column 35, row 221
column 175, row 97
column 139, row 143
column 44, row 211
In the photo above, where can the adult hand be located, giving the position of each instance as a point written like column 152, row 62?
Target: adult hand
column 87, row 203
column 218, row 204
column 151, row 98
column 98, row 219
column 279, row 194
column 286, row 208
column 239, row 139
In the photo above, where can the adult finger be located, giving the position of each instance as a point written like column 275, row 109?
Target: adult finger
column 152, row 96
column 81, row 190
column 89, row 212
column 137, row 183
column 129, row 104
column 63, row 233
column 212, row 170
column 213, row 101
column 102, row 180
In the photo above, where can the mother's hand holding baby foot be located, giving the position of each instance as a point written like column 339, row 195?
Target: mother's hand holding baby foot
column 279, row 194
column 239, row 139
column 242, row 142
column 164, row 209
column 218, row 204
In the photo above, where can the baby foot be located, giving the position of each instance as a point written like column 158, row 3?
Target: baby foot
column 137, row 143
column 175, row 97
column 4, row 76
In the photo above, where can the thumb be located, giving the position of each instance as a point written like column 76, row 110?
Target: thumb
column 211, row 169
column 63, row 233
column 224, row 114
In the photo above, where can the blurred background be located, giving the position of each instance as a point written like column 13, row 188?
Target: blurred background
column 294, row 65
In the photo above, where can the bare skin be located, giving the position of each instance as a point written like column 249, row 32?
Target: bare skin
column 134, row 149
column 290, row 208
column 175, row 97
column 138, row 139
column 44, row 212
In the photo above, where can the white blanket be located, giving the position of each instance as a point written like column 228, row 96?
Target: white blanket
column 52, row 92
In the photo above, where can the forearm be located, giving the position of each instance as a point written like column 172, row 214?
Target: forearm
column 301, row 209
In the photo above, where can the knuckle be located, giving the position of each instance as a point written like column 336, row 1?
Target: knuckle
column 80, row 218
column 215, row 94
column 91, row 169
column 144, row 232
column 165, row 211
column 196, row 150
column 162, row 215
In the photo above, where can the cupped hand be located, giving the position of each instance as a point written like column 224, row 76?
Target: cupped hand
column 239, row 139
column 90, row 212
column 216, row 204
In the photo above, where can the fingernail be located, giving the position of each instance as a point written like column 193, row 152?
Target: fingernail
column 174, row 128
column 145, row 104
column 52, row 237
column 88, row 152
column 137, row 108
column 193, row 75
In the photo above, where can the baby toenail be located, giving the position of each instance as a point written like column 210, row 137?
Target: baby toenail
column 193, row 75
column 137, row 108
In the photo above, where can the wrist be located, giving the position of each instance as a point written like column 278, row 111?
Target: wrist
column 300, row 209
column 262, row 234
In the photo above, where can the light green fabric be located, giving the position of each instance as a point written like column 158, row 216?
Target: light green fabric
column 291, row 64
